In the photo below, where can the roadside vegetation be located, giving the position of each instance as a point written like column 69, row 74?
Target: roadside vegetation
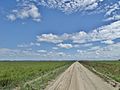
column 108, row 68
column 16, row 74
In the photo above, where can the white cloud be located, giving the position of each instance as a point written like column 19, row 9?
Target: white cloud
column 112, row 8
column 114, row 17
column 106, row 32
column 67, row 6
column 112, row 12
column 103, row 33
column 49, row 38
column 73, row 5
column 29, row 11
column 79, row 37
column 108, row 42
column 67, row 46
column 34, row 44
column 91, row 7
column 111, row 31
column 29, row 8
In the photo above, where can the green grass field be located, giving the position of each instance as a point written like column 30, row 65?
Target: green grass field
column 15, row 74
column 109, row 68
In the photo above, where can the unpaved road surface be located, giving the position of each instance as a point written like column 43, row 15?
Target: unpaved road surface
column 77, row 77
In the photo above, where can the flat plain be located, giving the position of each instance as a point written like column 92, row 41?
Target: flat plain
column 15, row 74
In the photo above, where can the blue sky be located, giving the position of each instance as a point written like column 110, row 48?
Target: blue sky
column 59, row 30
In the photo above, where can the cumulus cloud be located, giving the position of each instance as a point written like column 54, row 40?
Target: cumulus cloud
column 29, row 11
column 106, row 32
column 67, row 46
column 79, row 37
column 49, row 38
column 103, row 33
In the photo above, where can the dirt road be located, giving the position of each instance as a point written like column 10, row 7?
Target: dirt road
column 77, row 77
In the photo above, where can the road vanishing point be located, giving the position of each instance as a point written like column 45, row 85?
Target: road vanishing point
column 78, row 77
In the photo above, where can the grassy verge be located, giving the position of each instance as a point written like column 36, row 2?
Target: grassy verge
column 41, row 82
column 108, row 68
